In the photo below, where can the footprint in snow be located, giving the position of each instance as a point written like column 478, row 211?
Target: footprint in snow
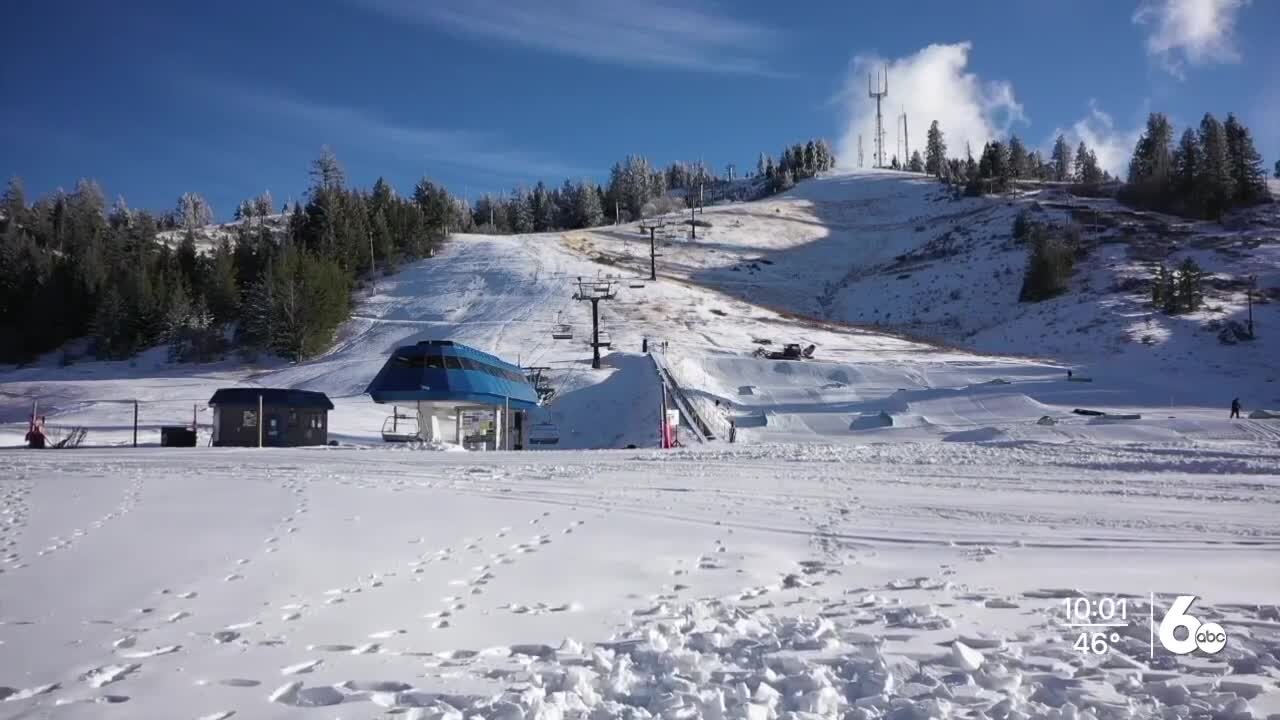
column 154, row 652
column 107, row 674
column 337, row 647
column 301, row 668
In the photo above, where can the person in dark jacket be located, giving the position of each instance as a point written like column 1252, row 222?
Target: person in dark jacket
column 35, row 438
column 1235, row 408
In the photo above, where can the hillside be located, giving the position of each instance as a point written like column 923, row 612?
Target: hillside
column 851, row 263
column 893, row 251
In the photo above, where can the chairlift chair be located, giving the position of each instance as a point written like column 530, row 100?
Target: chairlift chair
column 561, row 330
column 635, row 283
column 544, row 433
column 604, row 341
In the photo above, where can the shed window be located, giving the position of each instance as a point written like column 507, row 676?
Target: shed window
column 249, row 419
column 293, row 418
column 451, row 363
column 314, row 421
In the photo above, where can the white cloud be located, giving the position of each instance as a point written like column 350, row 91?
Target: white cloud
column 1197, row 32
column 459, row 148
column 1114, row 147
column 933, row 84
column 652, row 33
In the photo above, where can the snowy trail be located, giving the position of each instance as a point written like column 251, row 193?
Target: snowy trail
column 369, row 576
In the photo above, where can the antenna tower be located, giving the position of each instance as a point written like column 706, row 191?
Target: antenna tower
column 880, row 93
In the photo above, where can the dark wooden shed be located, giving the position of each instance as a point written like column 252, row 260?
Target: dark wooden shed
column 278, row 417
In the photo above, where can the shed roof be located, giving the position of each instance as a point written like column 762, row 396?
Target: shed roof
column 273, row 396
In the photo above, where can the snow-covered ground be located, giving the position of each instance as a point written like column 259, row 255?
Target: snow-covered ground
column 748, row 582
column 884, row 500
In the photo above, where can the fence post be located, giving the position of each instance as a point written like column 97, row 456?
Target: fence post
column 135, row 423
column 259, row 420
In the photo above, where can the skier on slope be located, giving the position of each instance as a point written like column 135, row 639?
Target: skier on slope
column 1235, row 408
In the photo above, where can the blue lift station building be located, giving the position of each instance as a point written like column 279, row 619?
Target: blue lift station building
column 452, row 393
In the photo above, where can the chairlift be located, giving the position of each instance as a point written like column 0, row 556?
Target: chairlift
column 561, row 330
column 400, row 427
column 635, row 283
column 604, row 341
column 544, row 433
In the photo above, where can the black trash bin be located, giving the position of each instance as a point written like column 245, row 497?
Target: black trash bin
column 177, row 436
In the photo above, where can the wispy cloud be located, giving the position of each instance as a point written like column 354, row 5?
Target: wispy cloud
column 639, row 33
column 485, row 152
column 1195, row 32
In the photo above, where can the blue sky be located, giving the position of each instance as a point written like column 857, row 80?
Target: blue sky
column 230, row 98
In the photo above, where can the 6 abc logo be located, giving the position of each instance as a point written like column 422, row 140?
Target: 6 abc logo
column 1208, row 638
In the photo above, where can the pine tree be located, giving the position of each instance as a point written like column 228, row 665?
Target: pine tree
column 810, row 159
column 1246, row 164
column 13, row 204
column 521, row 211
column 917, row 164
column 822, row 155
column 326, row 172
column 769, row 169
column 1187, row 166
column 110, row 326
column 1152, row 162
column 1215, row 175
column 222, row 293
column 1190, row 277
column 1061, row 159
column 1017, row 158
column 1277, row 170
column 1086, row 166
column 935, row 154
column 588, row 212
column 193, row 211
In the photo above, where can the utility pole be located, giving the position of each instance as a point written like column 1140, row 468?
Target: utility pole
column 693, row 224
column 881, row 92
column 906, row 141
column 699, row 197
column 593, row 291
column 617, row 212
column 1253, row 282
column 859, row 149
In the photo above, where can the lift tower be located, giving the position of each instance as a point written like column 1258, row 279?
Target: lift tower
column 593, row 291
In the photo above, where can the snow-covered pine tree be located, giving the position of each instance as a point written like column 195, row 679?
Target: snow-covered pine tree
column 588, row 211
column 1061, row 159
column 935, row 153
column 917, row 164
